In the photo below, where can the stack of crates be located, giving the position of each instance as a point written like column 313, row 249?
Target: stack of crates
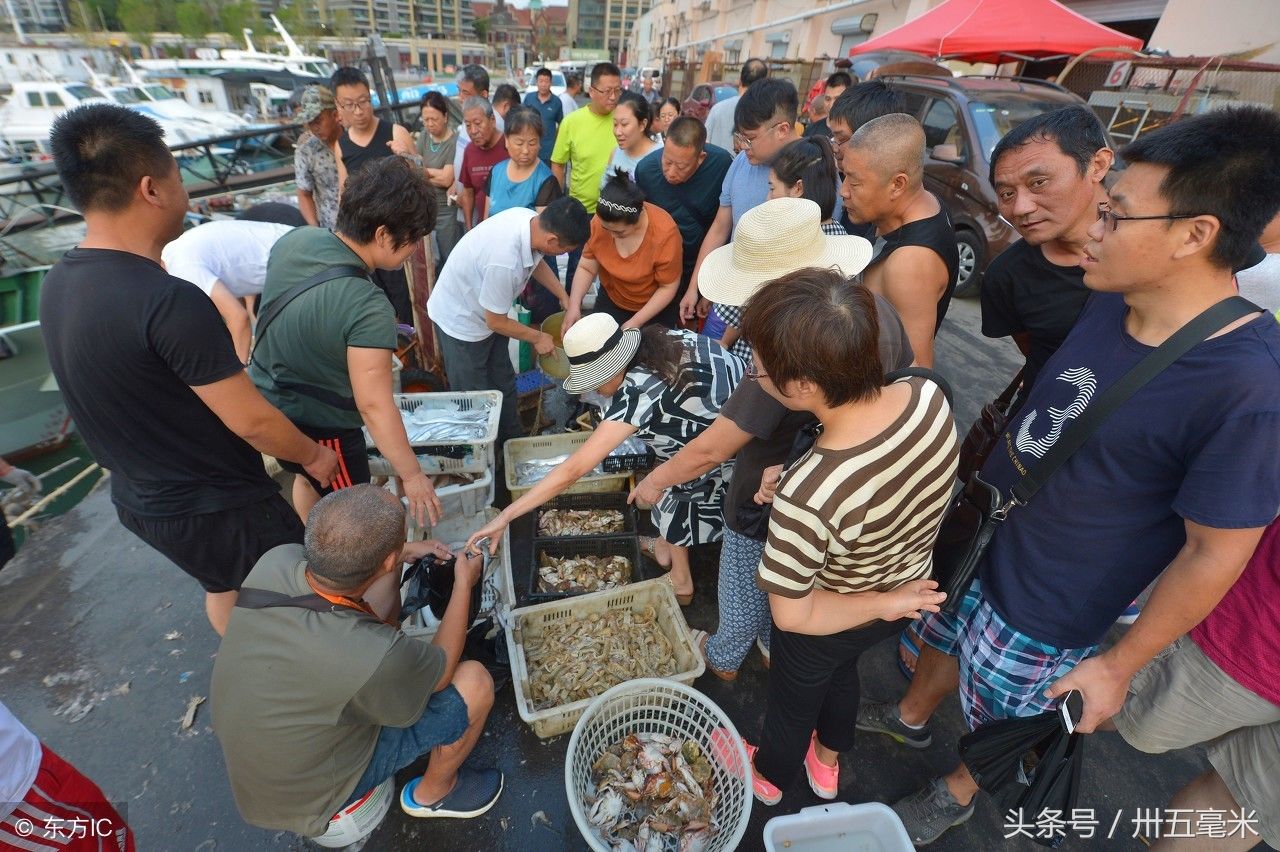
column 467, row 506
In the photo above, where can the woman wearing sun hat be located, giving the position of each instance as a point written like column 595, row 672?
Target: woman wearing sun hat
column 665, row 386
column 779, row 237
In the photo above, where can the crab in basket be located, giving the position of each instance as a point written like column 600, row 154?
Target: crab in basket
column 579, row 522
column 582, row 573
column 653, row 792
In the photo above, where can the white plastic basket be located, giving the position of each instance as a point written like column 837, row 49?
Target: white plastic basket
column 468, row 498
column 480, row 451
column 497, row 594
column 519, row 450
column 839, row 827
column 655, row 706
column 528, row 622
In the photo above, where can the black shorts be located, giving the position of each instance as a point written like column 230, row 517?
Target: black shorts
column 219, row 549
column 353, row 457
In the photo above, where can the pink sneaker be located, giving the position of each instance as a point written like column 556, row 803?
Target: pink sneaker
column 823, row 780
column 765, row 792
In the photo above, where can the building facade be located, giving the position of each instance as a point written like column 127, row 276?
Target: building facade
column 35, row 15
column 445, row 19
column 605, row 25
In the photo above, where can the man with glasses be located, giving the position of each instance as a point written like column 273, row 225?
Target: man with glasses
column 367, row 138
column 315, row 169
column 1178, row 483
column 684, row 178
column 765, row 117
column 586, row 142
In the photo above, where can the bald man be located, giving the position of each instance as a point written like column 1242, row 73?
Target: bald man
column 915, row 261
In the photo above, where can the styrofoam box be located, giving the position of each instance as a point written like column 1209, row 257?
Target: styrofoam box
column 838, row 827
column 498, row 591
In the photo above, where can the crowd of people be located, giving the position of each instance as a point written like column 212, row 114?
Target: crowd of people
column 758, row 302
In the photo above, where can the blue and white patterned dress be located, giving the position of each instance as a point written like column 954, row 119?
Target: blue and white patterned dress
column 668, row 416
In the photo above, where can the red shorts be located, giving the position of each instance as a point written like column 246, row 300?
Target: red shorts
column 64, row 812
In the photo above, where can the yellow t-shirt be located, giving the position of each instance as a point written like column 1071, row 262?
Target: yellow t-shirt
column 586, row 141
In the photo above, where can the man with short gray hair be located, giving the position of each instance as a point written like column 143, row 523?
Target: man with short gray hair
column 487, row 149
column 318, row 696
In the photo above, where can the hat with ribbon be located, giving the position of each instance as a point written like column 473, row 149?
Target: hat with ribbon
column 598, row 349
column 771, row 240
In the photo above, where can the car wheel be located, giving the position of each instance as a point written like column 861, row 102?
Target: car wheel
column 973, row 262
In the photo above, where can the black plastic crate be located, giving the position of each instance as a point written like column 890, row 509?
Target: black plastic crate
column 629, row 461
column 620, row 545
column 616, row 500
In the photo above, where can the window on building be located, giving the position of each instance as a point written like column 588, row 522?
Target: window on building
column 205, row 97
column 778, row 50
column 33, row 99
column 54, row 99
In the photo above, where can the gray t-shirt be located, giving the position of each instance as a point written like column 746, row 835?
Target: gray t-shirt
column 774, row 426
column 299, row 698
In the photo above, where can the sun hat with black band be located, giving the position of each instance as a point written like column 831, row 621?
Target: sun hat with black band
column 771, row 240
column 598, row 349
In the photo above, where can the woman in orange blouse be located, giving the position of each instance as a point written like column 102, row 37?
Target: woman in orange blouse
column 636, row 250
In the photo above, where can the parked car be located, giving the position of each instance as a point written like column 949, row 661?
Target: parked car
column 964, row 118
column 705, row 96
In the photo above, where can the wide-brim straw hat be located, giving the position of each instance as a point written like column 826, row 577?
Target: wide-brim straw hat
column 778, row 237
column 598, row 349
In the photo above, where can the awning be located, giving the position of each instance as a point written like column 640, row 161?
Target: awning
column 999, row 31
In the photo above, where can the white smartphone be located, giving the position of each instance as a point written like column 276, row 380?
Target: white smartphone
column 1071, row 708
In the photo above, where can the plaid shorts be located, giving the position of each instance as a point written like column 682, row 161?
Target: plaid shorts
column 1003, row 673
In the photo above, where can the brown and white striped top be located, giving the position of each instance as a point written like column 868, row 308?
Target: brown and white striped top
column 864, row 519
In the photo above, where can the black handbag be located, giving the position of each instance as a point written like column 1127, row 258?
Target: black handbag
column 978, row 509
column 986, row 430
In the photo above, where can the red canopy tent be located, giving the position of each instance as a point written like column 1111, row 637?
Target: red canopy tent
column 999, row 31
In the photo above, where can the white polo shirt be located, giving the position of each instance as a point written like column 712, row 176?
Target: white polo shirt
column 486, row 270
column 20, row 755
column 232, row 251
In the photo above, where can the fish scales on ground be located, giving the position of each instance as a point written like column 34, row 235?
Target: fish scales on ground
column 580, row 522
column 582, row 573
column 579, row 658
column 653, row 792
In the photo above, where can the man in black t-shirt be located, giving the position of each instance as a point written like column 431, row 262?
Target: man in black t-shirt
column 1048, row 174
column 148, row 369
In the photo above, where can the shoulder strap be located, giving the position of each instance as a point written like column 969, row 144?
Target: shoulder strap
column 250, row 598
column 280, row 302
column 1184, row 340
column 920, row 373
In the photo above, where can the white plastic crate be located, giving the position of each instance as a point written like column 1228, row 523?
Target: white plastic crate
column 480, row 451
column 519, row 450
column 497, row 596
column 527, row 622
column 838, row 827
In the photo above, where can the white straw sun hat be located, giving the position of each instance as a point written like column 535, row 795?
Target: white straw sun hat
column 598, row 349
column 778, row 237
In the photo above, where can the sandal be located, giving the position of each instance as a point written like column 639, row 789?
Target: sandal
column 700, row 638
column 649, row 547
column 683, row 600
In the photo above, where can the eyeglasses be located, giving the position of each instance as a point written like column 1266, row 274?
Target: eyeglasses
column 753, row 373
column 355, row 106
column 1114, row 219
column 745, row 143
column 609, row 93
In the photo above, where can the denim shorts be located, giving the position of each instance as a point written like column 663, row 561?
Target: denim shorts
column 444, row 721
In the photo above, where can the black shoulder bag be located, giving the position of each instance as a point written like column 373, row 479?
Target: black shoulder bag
column 979, row 508
column 328, row 397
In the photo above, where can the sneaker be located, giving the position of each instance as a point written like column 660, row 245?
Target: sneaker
column 1130, row 614
column 882, row 718
column 473, row 794
column 764, row 652
column 823, row 780
column 930, row 811
column 766, row 793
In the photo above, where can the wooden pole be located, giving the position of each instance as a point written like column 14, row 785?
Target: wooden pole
column 53, row 495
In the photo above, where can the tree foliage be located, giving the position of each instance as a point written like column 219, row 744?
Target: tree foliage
column 193, row 19
column 138, row 18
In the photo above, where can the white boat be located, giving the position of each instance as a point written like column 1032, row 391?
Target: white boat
column 28, row 115
column 249, row 81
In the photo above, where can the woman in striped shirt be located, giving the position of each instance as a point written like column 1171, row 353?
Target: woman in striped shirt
column 853, row 522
